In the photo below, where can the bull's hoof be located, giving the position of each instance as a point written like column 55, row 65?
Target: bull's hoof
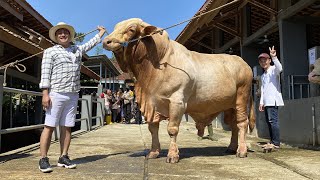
column 200, row 138
column 230, row 151
column 242, row 155
column 173, row 159
column 153, row 155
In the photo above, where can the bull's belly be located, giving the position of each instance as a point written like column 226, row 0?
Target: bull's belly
column 209, row 108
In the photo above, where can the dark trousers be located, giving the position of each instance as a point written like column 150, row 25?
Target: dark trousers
column 138, row 117
column 271, row 113
column 127, row 112
column 114, row 115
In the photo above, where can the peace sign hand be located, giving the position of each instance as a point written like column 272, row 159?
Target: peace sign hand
column 273, row 52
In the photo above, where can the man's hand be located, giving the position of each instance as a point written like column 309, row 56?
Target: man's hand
column 102, row 30
column 261, row 107
column 46, row 101
column 273, row 52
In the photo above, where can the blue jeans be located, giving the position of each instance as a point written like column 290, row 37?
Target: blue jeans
column 271, row 113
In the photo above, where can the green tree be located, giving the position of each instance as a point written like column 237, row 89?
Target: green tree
column 99, row 50
column 79, row 37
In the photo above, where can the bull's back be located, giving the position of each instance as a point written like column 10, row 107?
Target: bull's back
column 218, row 77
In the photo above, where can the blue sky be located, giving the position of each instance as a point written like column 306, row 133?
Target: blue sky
column 85, row 15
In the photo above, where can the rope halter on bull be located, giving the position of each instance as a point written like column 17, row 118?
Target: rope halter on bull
column 126, row 43
column 22, row 68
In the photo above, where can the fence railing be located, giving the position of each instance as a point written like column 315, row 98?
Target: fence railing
column 86, row 112
column 299, row 86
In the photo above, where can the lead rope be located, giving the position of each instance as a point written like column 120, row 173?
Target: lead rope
column 125, row 44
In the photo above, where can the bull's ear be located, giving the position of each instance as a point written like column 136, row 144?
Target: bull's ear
column 148, row 30
column 131, row 31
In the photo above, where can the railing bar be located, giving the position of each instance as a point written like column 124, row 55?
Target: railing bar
column 18, row 129
column 78, row 120
column 7, row 89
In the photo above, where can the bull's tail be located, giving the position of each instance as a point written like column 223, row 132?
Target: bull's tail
column 252, row 118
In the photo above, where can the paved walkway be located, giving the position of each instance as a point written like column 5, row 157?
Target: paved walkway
column 118, row 152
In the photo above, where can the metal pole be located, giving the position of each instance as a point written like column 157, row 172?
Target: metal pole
column 292, row 86
column 289, row 87
column 314, row 131
column 110, row 79
column 105, row 77
column 100, row 72
column 1, row 101
column 113, row 82
column 300, row 91
column 11, row 121
column 27, row 100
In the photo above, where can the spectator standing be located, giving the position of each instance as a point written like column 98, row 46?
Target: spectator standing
column 271, row 97
column 127, row 105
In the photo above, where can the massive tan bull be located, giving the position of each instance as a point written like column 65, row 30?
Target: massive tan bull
column 171, row 81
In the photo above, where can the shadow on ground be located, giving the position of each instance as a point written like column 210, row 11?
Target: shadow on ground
column 13, row 156
column 191, row 152
column 88, row 159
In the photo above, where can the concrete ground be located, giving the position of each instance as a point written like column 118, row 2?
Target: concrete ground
column 118, row 151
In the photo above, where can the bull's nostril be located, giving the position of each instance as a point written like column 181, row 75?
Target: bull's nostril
column 108, row 42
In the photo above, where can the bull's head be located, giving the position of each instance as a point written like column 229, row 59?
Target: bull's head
column 122, row 33
column 314, row 75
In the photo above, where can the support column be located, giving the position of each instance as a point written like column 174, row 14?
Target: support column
column 250, row 55
column 294, row 53
column 99, row 91
column 105, row 78
column 1, row 102
column 100, row 73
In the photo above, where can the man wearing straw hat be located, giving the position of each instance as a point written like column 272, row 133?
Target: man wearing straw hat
column 60, row 84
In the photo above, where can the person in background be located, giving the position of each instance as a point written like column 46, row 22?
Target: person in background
column 107, row 101
column 102, row 94
column 271, row 97
column 60, row 84
column 119, row 114
column 127, row 106
column 115, row 107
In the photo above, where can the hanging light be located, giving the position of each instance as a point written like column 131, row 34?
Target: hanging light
column 230, row 50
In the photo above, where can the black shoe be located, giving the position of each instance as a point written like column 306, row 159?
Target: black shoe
column 64, row 161
column 44, row 165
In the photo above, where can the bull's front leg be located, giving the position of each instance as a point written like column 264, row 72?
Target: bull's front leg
column 155, row 147
column 176, row 111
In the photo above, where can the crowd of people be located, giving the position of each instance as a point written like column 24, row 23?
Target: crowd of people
column 121, row 106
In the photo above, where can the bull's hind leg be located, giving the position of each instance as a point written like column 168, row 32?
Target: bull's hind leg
column 230, row 119
column 176, row 111
column 155, row 147
column 242, row 119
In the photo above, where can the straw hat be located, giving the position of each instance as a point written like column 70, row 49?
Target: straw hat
column 60, row 25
